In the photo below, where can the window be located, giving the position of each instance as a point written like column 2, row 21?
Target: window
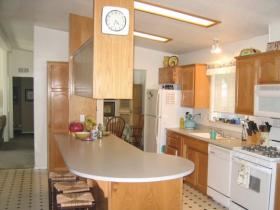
column 222, row 89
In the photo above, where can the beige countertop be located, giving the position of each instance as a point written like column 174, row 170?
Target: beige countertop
column 200, row 133
column 112, row 159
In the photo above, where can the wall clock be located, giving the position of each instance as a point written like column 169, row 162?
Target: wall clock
column 115, row 20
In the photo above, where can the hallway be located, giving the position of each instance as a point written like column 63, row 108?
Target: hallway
column 18, row 152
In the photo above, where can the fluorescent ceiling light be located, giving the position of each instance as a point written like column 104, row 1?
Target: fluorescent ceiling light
column 174, row 14
column 151, row 36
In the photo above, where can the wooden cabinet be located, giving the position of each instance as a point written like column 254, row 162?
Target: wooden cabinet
column 169, row 75
column 194, row 150
column 263, row 68
column 268, row 68
column 174, row 144
column 197, row 152
column 58, row 110
column 195, row 86
column 80, row 30
column 245, row 84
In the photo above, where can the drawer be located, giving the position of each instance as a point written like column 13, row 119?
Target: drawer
column 173, row 142
column 171, row 151
column 198, row 145
column 172, row 134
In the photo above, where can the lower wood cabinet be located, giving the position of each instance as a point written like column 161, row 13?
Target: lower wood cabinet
column 196, row 151
column 174, row 144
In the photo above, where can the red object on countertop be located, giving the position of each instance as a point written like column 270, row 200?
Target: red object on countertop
column 76, row 127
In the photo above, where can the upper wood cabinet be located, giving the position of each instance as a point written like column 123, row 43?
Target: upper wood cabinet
column 245, row 83
column 169, row 75
column 268, row 67
column 195, row 86
column 80, row 30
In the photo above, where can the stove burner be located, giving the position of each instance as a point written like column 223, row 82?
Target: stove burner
column 270, row 151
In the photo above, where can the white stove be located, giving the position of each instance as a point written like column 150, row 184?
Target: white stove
column 254, row 172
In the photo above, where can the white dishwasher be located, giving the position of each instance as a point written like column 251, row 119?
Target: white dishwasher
column 219, row 174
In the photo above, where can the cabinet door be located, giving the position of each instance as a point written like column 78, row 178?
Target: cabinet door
column 245, row 82
column 58, row 77
column 269, row 69
column 171, row 151
column 59, row 112
column 202, row 167
column 187, row 85
column 191, row 155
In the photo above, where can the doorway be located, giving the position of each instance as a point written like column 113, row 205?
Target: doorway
column 131, row 111
column 19, row 151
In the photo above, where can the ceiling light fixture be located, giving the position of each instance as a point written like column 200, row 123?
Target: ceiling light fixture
column 151, row 36
column 174, row 14
column 216, row 49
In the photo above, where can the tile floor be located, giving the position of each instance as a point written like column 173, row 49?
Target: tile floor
column 24, row 189
column 194, row 200
column 27, row 189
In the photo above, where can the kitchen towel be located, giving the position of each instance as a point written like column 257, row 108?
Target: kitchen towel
column 243, row 178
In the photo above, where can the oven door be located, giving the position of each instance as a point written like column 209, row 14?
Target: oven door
column 257, row 195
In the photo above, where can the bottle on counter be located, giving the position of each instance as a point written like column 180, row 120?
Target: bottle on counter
column 182, row 123
column 100, row 131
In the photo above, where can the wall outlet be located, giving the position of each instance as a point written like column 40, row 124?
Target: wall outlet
column 82, row 118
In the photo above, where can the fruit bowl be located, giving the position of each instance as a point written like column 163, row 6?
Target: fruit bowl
column 82, row 135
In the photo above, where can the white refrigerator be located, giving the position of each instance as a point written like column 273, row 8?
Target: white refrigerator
column 163, row 110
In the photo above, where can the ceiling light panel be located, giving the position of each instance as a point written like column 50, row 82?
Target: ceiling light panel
column 151, row 36
column 173, row 14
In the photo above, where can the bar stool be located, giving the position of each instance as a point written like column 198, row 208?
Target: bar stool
column 72, row 195
column 58, row 176
column 83, row 200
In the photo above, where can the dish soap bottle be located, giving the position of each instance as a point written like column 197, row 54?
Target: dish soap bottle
column 182, row 123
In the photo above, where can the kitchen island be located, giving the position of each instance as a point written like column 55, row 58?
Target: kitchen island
column 125, row 177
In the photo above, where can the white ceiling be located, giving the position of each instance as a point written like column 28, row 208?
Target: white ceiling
column 241, row 19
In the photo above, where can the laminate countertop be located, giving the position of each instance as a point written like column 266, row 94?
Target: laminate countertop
column 201, row 134
column 113, row 159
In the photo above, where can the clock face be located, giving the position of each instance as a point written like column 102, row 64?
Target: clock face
column 115, row 20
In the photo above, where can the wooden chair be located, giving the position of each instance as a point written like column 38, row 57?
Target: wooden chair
column 2, row 126
column 116, row 126
column 137, row 131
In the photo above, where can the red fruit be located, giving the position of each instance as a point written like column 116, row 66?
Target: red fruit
column 76, row 127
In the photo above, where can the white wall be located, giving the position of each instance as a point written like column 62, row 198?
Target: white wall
column 274, row 32
column 49, row 45
column 150, row 60
column 229, row 51
column 20, row 59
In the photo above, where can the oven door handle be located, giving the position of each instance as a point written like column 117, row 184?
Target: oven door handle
column 253, row 165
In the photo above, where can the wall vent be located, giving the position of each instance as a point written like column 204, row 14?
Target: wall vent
column 23, row 70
